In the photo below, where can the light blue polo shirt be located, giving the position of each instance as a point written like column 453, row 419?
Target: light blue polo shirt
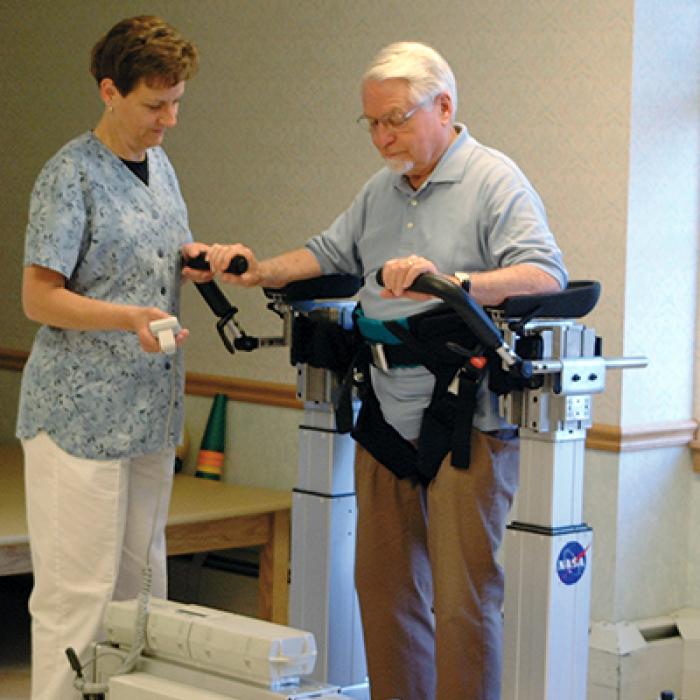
column 97, row 393
column 476, row 212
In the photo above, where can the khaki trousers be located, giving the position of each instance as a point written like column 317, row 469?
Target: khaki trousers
column 429, row 584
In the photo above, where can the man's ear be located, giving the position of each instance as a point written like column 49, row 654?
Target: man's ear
column 445, row 103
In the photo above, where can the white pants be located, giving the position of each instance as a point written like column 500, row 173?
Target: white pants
column 90, row 524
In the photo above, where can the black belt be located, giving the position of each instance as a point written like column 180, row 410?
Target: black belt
column 387, row 356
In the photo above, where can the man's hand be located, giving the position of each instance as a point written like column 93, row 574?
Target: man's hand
column 400, row 273
column 220, row 256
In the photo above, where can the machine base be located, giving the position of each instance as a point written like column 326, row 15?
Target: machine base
column 157, row 679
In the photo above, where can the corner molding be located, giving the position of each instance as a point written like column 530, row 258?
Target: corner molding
column 607, row 438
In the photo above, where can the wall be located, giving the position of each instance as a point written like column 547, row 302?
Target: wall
column 268, row 153
column 657, row 491
column 267, row 149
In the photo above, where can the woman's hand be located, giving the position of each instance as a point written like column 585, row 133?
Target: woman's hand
column 141, row 316
column 193, row 250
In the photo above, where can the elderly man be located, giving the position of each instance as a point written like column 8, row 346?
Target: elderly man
column 429, row 584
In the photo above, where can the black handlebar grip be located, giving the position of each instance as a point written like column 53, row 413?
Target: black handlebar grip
column 473, row 315
column 237, row 266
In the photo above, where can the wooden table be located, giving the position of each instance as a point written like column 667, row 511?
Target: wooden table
column 204, row 516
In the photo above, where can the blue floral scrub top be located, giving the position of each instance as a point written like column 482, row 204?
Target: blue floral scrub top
column 97, row 393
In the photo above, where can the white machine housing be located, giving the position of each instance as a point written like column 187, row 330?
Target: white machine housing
column 224, row 642
column 324, row 521
column 198, row 653
column 548, row 544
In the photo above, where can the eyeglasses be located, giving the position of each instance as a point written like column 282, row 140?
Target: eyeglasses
column 391, row 120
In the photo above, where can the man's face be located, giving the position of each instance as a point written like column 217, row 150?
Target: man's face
column 414, row 147
column 146, row 112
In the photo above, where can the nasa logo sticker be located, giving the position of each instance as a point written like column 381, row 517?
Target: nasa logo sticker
column 571, row 563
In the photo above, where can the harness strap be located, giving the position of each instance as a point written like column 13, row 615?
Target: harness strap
column 453, row 403
column 447, row 420
column 342, row 394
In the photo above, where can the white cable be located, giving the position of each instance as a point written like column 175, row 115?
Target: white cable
column 163, row 329
column 141, row 621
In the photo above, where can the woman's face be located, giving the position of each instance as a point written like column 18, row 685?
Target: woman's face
column 143, row 115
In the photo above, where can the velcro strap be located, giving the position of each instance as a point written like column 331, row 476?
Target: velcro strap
column 387, row 356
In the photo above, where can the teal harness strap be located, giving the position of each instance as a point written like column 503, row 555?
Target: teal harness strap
column 375, row 331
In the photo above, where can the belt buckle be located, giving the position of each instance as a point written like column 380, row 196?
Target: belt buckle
column 379, row 357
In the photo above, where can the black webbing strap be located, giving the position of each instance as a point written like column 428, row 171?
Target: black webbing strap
column 447, row 421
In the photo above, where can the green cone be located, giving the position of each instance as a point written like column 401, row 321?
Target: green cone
column 210, row 461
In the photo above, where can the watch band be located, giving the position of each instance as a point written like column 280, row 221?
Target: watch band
column 464, row 280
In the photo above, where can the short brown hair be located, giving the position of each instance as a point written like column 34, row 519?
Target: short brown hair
column 144, row 47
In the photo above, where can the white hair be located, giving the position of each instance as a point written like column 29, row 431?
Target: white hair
column 426, row 71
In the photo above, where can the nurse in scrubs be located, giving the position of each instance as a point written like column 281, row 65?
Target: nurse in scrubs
column 101, row 409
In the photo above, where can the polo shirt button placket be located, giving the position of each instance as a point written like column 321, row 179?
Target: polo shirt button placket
column 413, row 202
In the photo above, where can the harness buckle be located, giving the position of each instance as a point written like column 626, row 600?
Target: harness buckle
column 378, row 356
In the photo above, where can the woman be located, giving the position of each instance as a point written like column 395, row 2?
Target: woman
column 101, row 409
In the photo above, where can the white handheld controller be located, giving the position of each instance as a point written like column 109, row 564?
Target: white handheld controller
column 165, row 330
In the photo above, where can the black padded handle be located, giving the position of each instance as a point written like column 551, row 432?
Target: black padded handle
column 476, row 319
column 323, row 287
column 577, row 300
column 237, row 266
column 210, row 291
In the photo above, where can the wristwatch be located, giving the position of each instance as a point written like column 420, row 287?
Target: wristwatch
column 464, row 280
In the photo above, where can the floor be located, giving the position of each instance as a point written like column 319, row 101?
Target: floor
column 222, row 590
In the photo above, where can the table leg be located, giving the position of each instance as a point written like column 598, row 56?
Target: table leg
column 274, row 571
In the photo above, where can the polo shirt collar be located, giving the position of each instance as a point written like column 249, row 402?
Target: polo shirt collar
column 450, row 168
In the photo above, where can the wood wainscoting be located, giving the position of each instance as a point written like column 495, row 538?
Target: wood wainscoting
column 609, row 438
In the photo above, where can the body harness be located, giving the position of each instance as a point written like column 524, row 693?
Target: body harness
column 436, row 339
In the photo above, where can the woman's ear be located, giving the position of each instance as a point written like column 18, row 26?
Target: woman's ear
column 108, row 92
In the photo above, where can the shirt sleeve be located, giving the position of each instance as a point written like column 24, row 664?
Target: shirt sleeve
column 514, row 226
column 55, row 231
column 336, row 247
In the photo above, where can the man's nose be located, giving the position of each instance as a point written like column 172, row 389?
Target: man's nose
column 383, row 135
